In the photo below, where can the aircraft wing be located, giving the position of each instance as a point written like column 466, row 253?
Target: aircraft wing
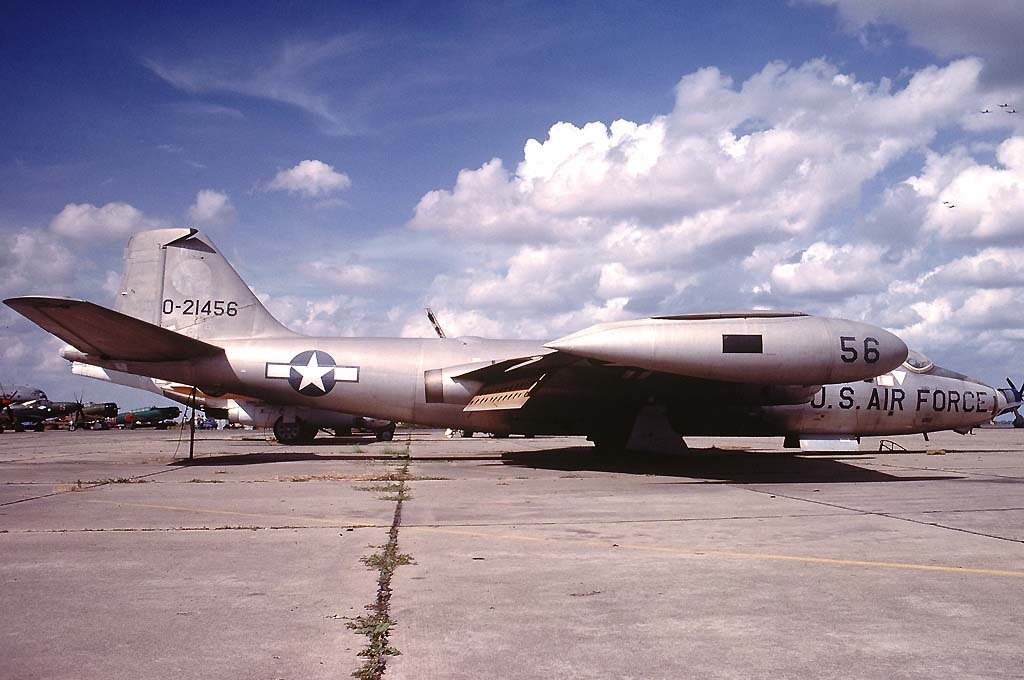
column 105, row 333
column 748, row 357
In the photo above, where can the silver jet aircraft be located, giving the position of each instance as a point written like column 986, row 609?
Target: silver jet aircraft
column 184, row 315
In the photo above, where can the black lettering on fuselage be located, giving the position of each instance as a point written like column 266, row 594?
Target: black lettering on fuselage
column 981, row 407
column 897, row 400
column 846, row 397
column 970, row 401
column 818, row 400
column 874, row 402
column 954, row 401
column 938, row 405
column 922, row 397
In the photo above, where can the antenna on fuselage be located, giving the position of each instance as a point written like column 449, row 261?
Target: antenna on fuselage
column 436, row 324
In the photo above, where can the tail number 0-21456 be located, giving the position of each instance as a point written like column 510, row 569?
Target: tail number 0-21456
column 201, row 307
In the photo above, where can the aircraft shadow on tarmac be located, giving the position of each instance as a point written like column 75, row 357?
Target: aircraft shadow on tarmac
column 277, row 453
column 717, row 465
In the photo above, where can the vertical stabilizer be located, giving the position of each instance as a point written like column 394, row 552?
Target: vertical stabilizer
column 177, row 279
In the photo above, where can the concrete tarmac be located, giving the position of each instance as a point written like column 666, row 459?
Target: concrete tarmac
column 517, row 558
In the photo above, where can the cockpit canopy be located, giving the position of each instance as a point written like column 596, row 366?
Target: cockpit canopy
column 917, row 362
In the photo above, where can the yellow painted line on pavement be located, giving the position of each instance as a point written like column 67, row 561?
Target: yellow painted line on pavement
column 695, row 552
column 699, row 552
column 302, row 518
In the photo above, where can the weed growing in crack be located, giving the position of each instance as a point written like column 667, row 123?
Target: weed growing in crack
column 376, row 626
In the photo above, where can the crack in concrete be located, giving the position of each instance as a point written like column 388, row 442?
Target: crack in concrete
column 891, row 515
column 377, row 625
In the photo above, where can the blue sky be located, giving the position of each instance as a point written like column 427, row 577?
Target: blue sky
column 787, row 155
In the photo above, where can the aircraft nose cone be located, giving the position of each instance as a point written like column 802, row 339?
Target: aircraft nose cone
column 893, row 346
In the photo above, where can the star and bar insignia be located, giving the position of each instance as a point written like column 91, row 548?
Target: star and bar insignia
column 312, row 373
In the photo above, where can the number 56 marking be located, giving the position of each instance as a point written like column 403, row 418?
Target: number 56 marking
column 849, row 350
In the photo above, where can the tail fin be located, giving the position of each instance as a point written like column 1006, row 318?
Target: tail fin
column 178, row 280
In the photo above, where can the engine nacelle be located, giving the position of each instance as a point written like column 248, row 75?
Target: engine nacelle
column 756, row 347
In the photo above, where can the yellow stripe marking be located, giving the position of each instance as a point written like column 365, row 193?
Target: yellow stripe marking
column 231, row 513
column 698, row 552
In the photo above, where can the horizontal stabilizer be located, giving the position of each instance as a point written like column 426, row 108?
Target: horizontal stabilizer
column 108, row 334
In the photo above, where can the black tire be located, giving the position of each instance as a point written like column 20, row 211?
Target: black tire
column 299, row 432
column 18, row 427
column 386, row 435
column 287, row 433
column 39, row 427
column 466, row 434
column 307, row 432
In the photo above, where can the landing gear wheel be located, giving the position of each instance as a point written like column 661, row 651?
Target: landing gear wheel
column 296, row 432
column 287, row 433
column 386, row 435
column 307, row 432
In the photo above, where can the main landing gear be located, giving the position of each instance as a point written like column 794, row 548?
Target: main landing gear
column 295, row 432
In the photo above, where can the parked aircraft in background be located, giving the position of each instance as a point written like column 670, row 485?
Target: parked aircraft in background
column 92, row 414
column 24, row 407
column 237, row 409
column 160, row 417
column 185, row 316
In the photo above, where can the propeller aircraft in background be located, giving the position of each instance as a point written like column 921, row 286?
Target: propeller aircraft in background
column 23, row 407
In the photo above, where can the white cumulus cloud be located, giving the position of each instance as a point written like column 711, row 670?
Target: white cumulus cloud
column 113, row 220
column 993, row 267
column 310, row 178
column 772, row 155
column 800, row 187
column 350, row 275
column 827, row 270
column 973, row 200
column 211, row 208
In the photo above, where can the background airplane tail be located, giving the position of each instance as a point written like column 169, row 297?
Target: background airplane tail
column 178, row 280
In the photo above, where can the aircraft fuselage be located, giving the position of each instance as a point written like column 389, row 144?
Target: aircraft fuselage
column 384, row 378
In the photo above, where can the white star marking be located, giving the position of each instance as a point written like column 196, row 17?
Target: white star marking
column 312, row 374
